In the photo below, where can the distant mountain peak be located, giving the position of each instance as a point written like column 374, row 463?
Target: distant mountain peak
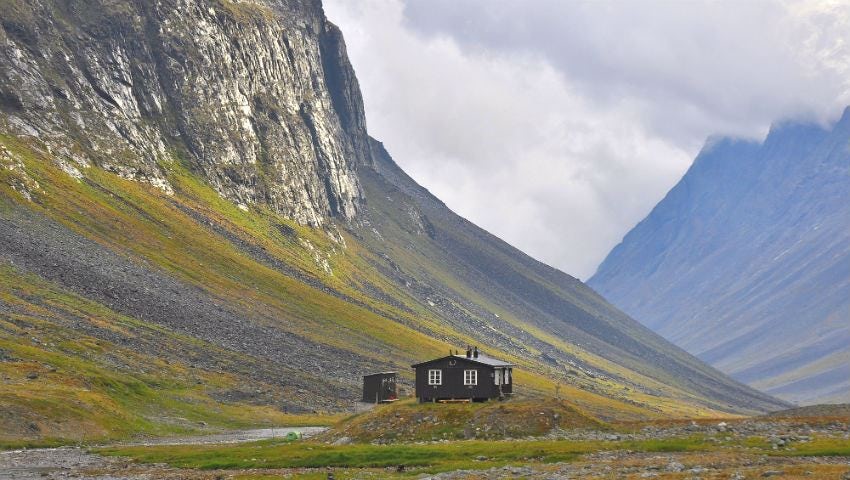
column 746, row 261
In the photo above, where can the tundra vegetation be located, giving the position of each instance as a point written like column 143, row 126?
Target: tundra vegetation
column 104, row 351
column 778, row 446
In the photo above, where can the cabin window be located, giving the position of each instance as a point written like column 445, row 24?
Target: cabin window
column 435, row 377
column 470, row 377
column 498, row 377
column 508, row 375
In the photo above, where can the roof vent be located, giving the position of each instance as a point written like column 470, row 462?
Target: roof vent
column 475, row 353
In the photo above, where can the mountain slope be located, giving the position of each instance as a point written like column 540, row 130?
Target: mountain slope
column 570, row 325
column 195, row 227
column 746, row 262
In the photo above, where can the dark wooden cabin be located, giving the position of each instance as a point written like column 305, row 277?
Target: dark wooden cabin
column 380, row 387
column 473, row 376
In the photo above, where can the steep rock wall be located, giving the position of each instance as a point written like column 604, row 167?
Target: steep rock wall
column 257, row 97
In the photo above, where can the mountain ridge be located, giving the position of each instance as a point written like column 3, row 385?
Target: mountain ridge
column 746, row 259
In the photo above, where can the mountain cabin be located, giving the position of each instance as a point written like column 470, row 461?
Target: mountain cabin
column 471, row 377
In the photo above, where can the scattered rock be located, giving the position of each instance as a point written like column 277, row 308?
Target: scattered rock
column 342, row 441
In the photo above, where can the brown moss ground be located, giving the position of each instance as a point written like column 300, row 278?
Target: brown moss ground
column 409, row 421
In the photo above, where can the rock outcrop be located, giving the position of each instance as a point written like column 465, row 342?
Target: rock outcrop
column 256, row 97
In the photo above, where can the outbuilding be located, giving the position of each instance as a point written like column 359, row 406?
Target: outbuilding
column 471, row 377
column 380, row 387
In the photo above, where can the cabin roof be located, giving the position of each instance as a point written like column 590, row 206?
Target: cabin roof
column 481, row 359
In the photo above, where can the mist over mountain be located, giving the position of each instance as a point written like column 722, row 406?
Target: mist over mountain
column 746, row 262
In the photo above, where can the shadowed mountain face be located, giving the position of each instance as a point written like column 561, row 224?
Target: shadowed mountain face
column 746, row 262
column 195, row 226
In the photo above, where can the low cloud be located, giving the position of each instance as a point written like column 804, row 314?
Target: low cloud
column 558, row 125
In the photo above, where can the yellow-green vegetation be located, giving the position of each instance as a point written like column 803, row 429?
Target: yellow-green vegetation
column 410, row 421
column 818, row 447
column 442, row 456
column 102, row 374
column 59, row 384
column 434, row 456
column 82, row 393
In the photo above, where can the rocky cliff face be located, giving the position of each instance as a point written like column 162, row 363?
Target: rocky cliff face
column 745, row 262
column 256, row 96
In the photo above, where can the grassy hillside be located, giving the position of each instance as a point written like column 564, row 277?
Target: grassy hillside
column 125, row 309
column 409, row 421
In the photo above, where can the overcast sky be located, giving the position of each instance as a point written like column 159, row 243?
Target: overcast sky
column 558, row 125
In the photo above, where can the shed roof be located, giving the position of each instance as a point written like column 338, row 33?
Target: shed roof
column 482, row 359
column 379, row 373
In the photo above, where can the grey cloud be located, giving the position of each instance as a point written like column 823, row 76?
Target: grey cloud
column 558, row 125
column 706, row 65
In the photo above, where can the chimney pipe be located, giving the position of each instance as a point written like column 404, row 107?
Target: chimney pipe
column 475, row 352
column 468, row 351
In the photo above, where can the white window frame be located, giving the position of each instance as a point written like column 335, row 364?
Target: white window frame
column 508, row 376
column 470, row 377
column 435, row 377
column 497, row 378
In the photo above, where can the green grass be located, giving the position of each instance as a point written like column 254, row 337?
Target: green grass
column 308, row 454
column 434, row 456
column 818, row 447
column 25, row 444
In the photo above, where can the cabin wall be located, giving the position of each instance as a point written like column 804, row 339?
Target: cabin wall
column 371, row 388
column 453, row 386
column 509, row 388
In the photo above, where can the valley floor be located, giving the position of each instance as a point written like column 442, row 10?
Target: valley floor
column 763, row 447
column 75, row 463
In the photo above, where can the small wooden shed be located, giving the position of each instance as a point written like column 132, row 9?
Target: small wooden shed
column 380, row 387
